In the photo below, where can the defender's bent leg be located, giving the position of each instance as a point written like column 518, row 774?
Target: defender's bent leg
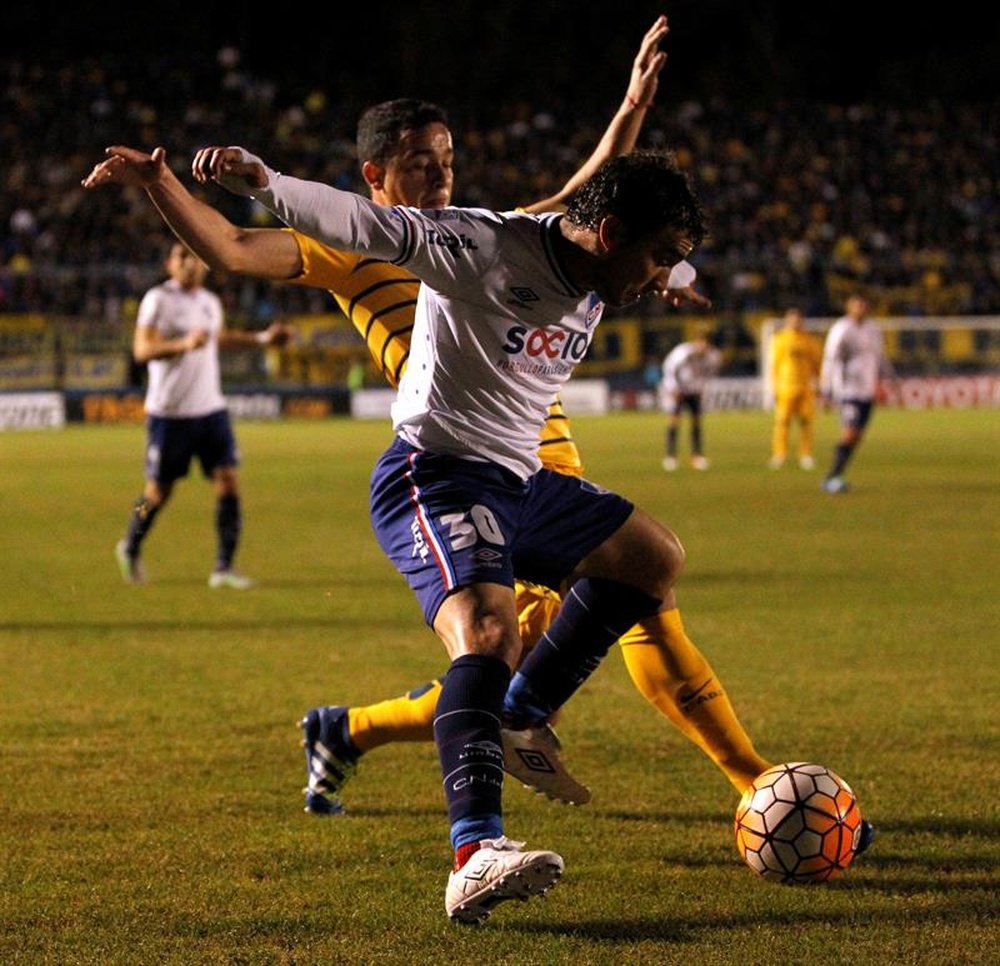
column 675, row 677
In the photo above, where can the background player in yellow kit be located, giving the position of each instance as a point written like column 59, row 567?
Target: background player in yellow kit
column 793, row 370
column 406, row 153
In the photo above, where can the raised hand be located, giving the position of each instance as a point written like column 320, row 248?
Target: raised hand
column 647, row 65
column 233, row 168
column 127, row 166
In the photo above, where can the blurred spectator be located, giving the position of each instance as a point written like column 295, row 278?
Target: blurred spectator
column 807, row 202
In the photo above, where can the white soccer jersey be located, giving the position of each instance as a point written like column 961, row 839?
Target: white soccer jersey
column 499, row 327
column 853, row 359
column 188, row 384
column 687, row 370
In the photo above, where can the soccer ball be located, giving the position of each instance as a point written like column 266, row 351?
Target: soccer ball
column 798, row 823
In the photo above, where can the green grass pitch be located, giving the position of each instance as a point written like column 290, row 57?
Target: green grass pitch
column 150, row 775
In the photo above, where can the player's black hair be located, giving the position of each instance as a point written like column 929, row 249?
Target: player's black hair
column 381, row 126
column 646, row 191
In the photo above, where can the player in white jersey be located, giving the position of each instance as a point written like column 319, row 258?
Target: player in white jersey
column 686, row 371
column 508, row 307
column 179, row 330
column 854, row 363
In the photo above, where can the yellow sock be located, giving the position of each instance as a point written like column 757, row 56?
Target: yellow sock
column 674, row 676
column 806, row 437
column 779, row 438
column 409, row 717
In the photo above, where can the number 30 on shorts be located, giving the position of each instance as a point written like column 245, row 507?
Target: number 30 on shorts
column 463, row 528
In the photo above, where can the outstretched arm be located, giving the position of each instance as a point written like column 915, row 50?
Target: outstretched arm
column 342, row 219
column 264, row 252
column 276, row 334
column 623, row 131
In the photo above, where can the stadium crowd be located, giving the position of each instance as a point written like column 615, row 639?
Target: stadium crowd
column 807, row 201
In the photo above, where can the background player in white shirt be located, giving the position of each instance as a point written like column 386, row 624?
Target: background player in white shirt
column 854, row 363
column 179, row 330
column 687, row 369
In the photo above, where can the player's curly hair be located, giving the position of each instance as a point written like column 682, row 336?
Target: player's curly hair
column 381, row 126
column 646, row 190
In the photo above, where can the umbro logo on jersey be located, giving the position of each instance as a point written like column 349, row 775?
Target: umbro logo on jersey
column 522, row 296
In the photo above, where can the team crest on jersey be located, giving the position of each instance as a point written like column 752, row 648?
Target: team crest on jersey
column 594, row 309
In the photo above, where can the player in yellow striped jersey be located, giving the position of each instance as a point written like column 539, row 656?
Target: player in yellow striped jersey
column 406, row 153
column 793, row 370
column 379, row 300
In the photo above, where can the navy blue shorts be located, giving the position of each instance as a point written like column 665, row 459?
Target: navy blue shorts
column 447, row 522
column 855, row 413
column 691, row 401
column 172, row 442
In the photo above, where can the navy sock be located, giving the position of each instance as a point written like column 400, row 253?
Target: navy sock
column 228, row 524
column 594, row 614
column 140, row 522
column 841, row 456
column 696, row 438
column 467, row 735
